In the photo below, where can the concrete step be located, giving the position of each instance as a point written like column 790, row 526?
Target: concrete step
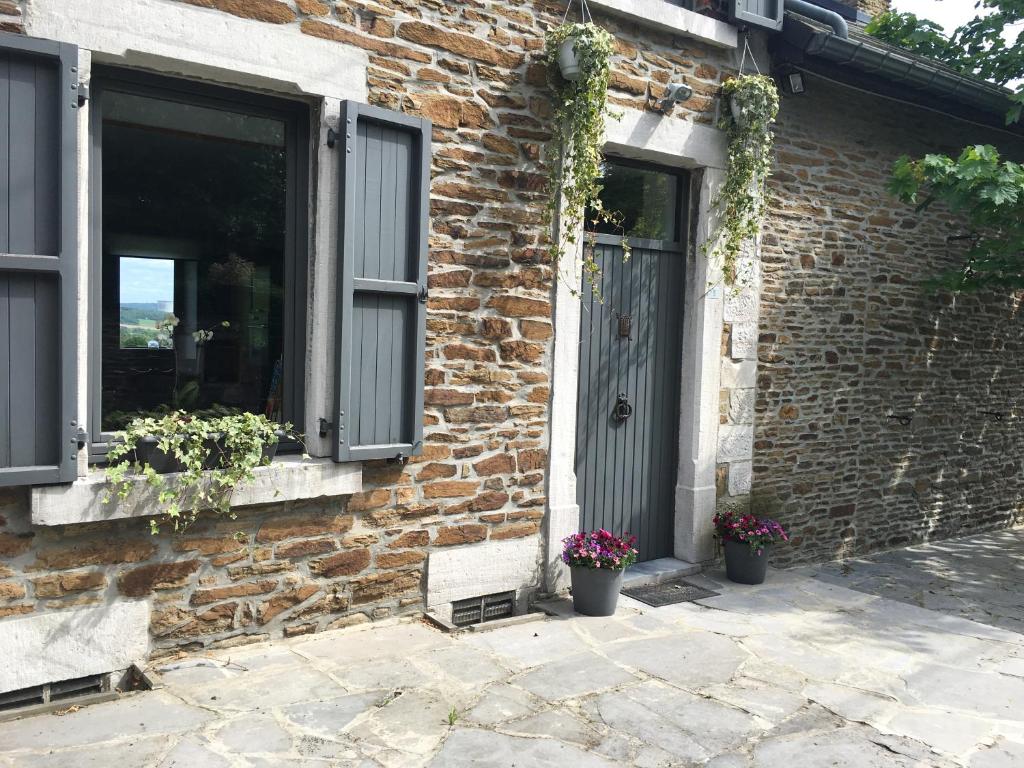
column 657, row 571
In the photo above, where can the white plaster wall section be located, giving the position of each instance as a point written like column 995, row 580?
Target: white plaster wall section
column 657, row 14
column 482, row 569
column 199, row 42
column 670, row 141
column 698, row 418
column 77, row 643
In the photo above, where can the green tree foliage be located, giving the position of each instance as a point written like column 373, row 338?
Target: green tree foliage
column 979, row 185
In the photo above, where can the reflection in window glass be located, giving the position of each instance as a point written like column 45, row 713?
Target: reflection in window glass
column 146, row 303
column 647, row 200
column 194, row 219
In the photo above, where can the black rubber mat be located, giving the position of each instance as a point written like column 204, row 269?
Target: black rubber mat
column 668, row 593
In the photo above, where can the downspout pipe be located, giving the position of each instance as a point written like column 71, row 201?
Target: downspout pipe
column 816, row 12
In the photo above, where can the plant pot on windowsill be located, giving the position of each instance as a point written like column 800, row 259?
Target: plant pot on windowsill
column 597, row 562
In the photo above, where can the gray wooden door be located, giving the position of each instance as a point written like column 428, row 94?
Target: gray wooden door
column 630, row 356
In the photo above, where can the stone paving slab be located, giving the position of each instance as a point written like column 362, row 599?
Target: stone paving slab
column 801, row 672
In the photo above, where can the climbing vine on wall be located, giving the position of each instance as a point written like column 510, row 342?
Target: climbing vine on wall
column 752, row 105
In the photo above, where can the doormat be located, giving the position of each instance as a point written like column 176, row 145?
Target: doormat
column 668, row 593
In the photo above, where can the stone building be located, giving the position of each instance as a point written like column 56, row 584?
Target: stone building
column 874, row 414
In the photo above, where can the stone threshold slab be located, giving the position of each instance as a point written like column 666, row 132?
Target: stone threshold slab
column 657, row 571
column 287, row 478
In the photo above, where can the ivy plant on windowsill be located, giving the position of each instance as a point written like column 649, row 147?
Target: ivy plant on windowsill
column 210, row 456
column 575, row 151
column 753, row 102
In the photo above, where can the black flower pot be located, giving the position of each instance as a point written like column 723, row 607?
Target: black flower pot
column 595, row 591
column 744, row 565
column 148, row 451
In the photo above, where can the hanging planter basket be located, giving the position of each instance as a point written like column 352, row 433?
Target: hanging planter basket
column 568, row 61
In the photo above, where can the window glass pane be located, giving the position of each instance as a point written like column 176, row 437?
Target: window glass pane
column 146, row 303
column 194, row 204
column 648, row 201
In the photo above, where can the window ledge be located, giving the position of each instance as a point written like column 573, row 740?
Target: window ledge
column 665, row 16
column 286, row 479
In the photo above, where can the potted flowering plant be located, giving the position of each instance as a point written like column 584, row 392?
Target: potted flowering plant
column 596, row 563
column 747, row 540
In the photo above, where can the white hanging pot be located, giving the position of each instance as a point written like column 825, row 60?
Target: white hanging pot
column 737, row 110
column 568, row 61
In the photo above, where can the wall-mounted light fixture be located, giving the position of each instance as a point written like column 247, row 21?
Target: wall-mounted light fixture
column 674, row 93
column 793, row 82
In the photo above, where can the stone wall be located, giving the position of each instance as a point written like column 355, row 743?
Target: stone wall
column 473, row 69
column 886, row 414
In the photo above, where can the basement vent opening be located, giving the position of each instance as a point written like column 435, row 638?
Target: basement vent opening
column 79, row 689
column 65, row 689
column 476, row 610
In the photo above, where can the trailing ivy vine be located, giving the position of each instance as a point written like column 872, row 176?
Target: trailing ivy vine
column 752, row 103
column 575, row 154
column 213, row 455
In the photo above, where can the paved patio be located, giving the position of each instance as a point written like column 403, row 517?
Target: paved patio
column 800, row 672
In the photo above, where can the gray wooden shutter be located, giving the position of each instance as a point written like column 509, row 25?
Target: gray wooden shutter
column 382, row 279
column 38, row 254
column 766, row 14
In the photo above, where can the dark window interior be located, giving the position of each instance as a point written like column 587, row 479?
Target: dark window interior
column 194, row 213
column 647, row 199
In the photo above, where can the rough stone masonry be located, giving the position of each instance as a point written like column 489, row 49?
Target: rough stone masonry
column 295, row 568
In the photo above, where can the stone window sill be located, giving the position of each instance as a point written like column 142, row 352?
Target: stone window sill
column 288, row 478
column 658, row 14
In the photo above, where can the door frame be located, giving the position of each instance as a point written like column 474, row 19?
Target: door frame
column 701, row 150
column 662, row 482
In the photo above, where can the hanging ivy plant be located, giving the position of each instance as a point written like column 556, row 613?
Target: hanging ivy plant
column 575, row 151
column 752, row 105
column 210, row 456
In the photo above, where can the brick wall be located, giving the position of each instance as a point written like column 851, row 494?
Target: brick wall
column 295, row 568
column 849, row 341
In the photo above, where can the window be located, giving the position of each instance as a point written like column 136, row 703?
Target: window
column 198, row 251
column 647, row 198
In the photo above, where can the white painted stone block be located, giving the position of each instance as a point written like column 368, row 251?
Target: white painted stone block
column 740, row 306
column 741, row 375
column 62, row 645
column 741, row 406
column 740, row 475
column 482, row 569
column 743, row 341
column 735, row 443
column 199, row 42
column 658, row 14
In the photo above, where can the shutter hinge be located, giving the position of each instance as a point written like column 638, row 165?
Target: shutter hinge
column 83, row 94
column 423, row 294
column 324, row 427
column 82, row 437
column 332, row 137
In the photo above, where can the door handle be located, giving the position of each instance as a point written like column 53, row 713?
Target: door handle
column 623, row 410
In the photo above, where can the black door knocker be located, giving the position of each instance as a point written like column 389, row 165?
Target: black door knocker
column 623, row 410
